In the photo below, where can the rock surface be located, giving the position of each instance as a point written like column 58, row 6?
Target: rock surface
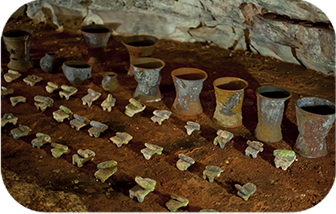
column 292, row 31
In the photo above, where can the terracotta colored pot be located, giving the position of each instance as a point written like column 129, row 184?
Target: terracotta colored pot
column 76, row 71
column 229, row 93
column 18, row 45
column 188, row 83
column 147, row 72
column 271, row 105
column 96, row 38
column 110, row 82
column 139, row 46
column 315, row 117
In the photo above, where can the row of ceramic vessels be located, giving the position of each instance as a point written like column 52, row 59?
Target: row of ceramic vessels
column 315, row 116
column 17, row 42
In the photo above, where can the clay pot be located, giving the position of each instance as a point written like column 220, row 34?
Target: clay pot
column 271, row 105
column 229, row 92
column 147, row 74
column 315, row 117
column 188, row 83
column 3, row 52
column 48, row 64
column 110, row 82
column 139, row 46
column 96, row 38
column 18, row 45
column 76, row 71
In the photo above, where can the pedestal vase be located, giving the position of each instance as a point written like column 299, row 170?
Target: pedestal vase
column 315, row 117
column 18, row 45
column 147, row 72
column 96, row 38
column 139, row 46
column 271, row 105
column 229, row 93
column 188, row 83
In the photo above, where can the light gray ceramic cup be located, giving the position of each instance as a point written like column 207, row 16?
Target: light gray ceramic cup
column 77, row 71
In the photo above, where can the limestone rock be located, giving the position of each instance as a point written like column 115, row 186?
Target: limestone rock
column 234, row 24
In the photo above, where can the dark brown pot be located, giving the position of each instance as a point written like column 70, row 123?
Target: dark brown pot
column 96, row 38
column 139, row 46
column 18, row 45
column 4, row 52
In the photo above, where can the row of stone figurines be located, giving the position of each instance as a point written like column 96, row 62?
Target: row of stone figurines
column 315, row 116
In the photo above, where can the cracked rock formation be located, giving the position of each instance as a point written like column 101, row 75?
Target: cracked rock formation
column 290, row 30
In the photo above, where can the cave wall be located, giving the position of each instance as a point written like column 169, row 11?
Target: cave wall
column 291, row 30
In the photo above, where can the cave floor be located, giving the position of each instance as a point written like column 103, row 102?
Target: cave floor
column 41, row 182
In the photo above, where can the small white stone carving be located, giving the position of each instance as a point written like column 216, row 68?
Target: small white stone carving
column 11, row 76
column 51, row 87
column 192, row 126
column 90, row 97
column 32, row 80
column 160, row 116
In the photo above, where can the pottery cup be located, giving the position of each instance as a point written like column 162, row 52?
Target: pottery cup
column 96, row 38
column 271, row 105
column 229, row 92
column 188, row 83
column 76, row 71
column 315, row 117
column 139, row 46
column 18, row 45
column 147, row 72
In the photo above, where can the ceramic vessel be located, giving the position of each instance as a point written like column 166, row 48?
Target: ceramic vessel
column 271, row 105
column 315, row 117
column 76, row 71
column 229, row 92
column 110, row 82
column 139, row 46
column 18, row 45
column 96, row 38
column 188, row 83
column 48, row 64
column 147, row 72
column 3, row 52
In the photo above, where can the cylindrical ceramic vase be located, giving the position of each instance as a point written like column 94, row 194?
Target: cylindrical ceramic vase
column 188, row 83
column 18, row 45
column 315, row 117
column 271, row 105
column 229, row 92
column 147, row 72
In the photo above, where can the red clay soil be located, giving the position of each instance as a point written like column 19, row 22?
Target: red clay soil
column 41, row 182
